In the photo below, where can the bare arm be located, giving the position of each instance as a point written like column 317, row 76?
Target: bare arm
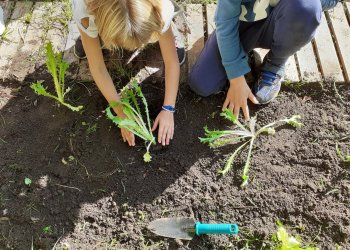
column 165, row 119
column 98, row 68
column 104, row 82
column 172, row 67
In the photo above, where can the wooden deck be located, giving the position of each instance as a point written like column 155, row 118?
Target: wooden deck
column 326, row 58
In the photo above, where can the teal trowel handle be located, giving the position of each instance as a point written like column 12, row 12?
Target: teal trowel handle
column 216, row 228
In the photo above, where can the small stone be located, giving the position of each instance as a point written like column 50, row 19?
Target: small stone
column 312, row 186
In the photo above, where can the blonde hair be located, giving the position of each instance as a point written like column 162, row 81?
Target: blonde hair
column 128, row 24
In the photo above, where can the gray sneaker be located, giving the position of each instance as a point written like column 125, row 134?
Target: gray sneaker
column 267, row 87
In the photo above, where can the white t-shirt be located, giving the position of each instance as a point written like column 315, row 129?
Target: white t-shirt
column 80, row 12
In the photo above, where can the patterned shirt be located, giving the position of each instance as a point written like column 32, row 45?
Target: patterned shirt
column 252, row 11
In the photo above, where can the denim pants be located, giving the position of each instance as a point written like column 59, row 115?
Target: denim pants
column 290, row 26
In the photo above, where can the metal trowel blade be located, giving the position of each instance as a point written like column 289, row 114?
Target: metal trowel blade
column 179, row 228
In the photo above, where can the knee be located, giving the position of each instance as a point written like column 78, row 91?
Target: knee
column 198, row 85
column 306, row 15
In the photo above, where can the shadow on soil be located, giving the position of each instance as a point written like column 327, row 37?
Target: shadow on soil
column 75, row 160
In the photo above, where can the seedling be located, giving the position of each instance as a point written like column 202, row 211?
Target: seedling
column 57, row 68
column 5, row 34
column 27, row 181
column 286, row 242
column 134, row 121
column 241, row 133
column 341, row 155
column 47, row 230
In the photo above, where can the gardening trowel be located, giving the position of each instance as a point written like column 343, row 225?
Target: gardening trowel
column 186, row 228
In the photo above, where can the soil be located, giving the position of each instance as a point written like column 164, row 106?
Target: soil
column 91, row 191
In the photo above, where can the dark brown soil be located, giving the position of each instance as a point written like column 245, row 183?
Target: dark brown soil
column 105, row 197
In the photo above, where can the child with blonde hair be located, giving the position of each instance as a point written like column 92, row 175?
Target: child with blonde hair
column 130, row 24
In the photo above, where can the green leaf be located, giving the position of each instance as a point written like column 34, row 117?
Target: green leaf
column 294, row 121
column 133, row 121
column 47, row 230
column 147, row 157
column 245, row 176
column 54, row 61
column 40, row 90
column 230, row 160
column 27, row 181
column 269, row 130
column 228, row 114
column 287, row 242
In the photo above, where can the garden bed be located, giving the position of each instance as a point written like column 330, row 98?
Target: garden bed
column 91, row 191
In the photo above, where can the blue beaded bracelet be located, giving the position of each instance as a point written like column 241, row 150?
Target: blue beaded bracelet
column 170, row 109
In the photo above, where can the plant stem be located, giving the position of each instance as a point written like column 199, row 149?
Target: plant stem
column 245, row 176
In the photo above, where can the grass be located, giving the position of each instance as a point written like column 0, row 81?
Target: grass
column 134, row 121
column 242, row 134
column 5, row 34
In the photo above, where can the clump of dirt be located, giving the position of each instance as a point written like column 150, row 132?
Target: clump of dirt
column 91, row 191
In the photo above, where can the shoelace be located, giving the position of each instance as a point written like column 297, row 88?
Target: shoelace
column 268, row 77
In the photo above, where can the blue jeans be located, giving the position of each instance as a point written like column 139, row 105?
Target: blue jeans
column 290, row 26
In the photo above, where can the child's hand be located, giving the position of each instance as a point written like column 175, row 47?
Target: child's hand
column 237, row 96
column 165, row 120
column 126, row 134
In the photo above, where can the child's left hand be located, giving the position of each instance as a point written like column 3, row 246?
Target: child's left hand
column 165, row 120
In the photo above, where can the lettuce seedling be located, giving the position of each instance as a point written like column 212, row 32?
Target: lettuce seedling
column 57, row 68
column 241, row 133
column 134, row 121
column 286, row 242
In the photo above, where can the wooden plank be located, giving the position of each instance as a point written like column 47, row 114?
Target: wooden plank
column 342, row 33
column 33, row 41
column 195, row 40
column 328, row 56
column 308, row 64
column 17, row 28
column 291, row 70
column 210, row 18
column 57, row 33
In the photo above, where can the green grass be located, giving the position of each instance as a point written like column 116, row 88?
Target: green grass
column 5, row 34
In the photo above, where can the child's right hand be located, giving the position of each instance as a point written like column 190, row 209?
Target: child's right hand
column 237, row 96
